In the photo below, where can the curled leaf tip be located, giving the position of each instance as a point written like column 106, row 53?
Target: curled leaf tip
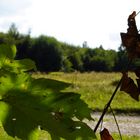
column 105, row 135
column 131, row 39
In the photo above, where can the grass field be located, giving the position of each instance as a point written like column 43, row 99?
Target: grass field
column 97, row 88
column 117, row 137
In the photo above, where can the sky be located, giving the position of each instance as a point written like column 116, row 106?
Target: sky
column 99, row 22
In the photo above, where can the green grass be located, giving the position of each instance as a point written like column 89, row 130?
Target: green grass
column 96, row 89
column 44, row 136
column 124, row 137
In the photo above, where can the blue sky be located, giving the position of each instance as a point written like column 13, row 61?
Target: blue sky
column 99, row 22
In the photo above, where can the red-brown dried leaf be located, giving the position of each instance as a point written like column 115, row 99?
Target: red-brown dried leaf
column 129, row 87
column 105, row 135
column 138, row 47
column 138, row 83
column 131, row 39
column 137, row 72
column 130, row 43
column 132, row 30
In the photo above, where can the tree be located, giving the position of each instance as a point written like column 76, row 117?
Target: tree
column 24, row 44
column 87, row 57
column 13, row 31
column 66, row 65
column 52, row 55
column 85, row 44
column 76, row 61
column 72, row 59
column 121, row 60
column 46, row 53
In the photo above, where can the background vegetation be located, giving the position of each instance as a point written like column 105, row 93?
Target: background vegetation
column 95, row 89
column 50, row 54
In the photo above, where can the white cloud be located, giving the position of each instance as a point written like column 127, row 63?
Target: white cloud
column 13, row 7
column 74, row 21
column 13, row 11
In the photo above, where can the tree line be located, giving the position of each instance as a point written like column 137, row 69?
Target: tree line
column 50, row 54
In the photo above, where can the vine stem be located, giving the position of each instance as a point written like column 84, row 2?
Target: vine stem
column 107, row 106
column 112, row 97
column 116, row 123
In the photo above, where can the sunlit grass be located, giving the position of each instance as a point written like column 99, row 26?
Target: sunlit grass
column 96, row 89
column 124, row 137
column 44, row 136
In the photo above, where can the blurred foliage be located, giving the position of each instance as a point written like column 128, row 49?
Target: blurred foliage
column 49, row 54
column 27, row 103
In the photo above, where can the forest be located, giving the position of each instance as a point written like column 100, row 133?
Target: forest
column 49, row 54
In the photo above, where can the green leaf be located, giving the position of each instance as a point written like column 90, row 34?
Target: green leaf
column 7, row 55
column 18, row 66
column 7, row 51
column 4, row 109
column 29, row 111
column 10, row 81
column 70, row 104
column 13, row 119
column 27, row 103
column 25, row 64
column 82, row 132
column 48, row 85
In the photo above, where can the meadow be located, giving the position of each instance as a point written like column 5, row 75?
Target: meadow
column 96, row 89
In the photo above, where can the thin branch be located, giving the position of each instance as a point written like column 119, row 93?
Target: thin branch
column 107, row 106
column 137, row 13
column 116, row 122
column 109, row 102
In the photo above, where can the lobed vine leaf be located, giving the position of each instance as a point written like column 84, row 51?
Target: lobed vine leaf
column 27, row 103
column 35, row 110
column 131, row 41
column 7, row 51
column 129, row 87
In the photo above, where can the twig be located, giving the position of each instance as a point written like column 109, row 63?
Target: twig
column 107, row 106
column 116, row 122
column 137, row 13
column 109, row 102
